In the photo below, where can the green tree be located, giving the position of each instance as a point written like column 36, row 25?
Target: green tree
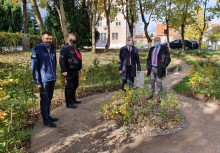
column 59, row 5
column 147, row 7
column 33, row 26
column 183, row 12
column 37, row 15
column 202, row 19
column 10, row 16
column 164, row 14
column 75, row 19
column 129, row 10
column 78, row 21
column 109, row 8
column 52, row 23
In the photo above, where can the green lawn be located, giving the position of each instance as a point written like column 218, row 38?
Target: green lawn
column 88, row 58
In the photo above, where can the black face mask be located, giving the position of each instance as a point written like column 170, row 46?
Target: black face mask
column 47, row 43
column 72, row 42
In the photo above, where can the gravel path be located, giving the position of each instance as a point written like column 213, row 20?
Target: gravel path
column 82, row 130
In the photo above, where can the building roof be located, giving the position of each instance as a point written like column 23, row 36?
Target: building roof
column 161, row 30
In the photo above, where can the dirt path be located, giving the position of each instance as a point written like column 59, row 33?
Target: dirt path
column 81, row 130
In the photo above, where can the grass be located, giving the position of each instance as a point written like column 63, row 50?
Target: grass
column 183, row 87
column 192, row 56
column 8, row 58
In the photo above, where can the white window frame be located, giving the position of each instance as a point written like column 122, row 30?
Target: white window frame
column 114, row 36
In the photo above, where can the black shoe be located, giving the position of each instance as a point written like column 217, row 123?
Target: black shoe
column 158, row 100
column 77, row 102
column 54, row 119
column 71, row 106
column 51, row 125
column 150, row 96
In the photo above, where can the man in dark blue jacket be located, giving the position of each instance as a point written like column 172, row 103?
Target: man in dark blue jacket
column 128, row 60
column 43, row 64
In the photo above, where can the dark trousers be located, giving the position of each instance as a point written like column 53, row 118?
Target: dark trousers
column 72, row 82
column 129, row 76
column 46, row 94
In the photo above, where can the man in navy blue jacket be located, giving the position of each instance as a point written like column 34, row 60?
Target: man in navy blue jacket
column 43, row 64
column 128, row 61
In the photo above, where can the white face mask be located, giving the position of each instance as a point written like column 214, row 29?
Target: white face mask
column 130, row 43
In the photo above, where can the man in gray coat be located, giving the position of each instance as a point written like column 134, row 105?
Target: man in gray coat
column 157, row 61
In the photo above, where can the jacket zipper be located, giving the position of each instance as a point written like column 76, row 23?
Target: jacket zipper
column 51, row 64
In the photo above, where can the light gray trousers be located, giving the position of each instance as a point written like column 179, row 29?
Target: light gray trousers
column 154, row 79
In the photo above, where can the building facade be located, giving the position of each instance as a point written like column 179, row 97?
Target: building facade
column 119, row 31
column 161, row 32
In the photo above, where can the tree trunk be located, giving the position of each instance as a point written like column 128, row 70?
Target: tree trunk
column 131, row 29
column 94, row 6
column 145, row 24
column 108, row 26
column 168, row 33
column 62, row 17
column 63, row 20
column 200, row 40
column 89, row 9
column 146, row 34
column 182, row 35
column 25, row 18
column 37, row 15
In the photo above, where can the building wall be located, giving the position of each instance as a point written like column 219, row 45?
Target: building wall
column 140, row 40
column 161, row 32
column 118, row 32
column 164, row 38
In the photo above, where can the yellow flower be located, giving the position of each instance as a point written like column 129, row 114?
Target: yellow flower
column 2, row 114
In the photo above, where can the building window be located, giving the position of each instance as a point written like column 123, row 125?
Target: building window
column 103, row 36
column 118, row 23
column 114, row 36
column 99, row 23
column 165, row 31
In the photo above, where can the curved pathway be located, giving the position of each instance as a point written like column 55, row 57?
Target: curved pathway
column 82, row 130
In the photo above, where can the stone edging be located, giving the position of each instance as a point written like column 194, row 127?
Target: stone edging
column 149, row 132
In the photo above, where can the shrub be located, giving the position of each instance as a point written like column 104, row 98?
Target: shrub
column 131, row 109
column 12, row 40
column 17, row 99
column 99, row 76
column 204, row 79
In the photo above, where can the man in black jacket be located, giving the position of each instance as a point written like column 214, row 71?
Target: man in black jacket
column 70, row 64
column 157, row 61
column 128, row 60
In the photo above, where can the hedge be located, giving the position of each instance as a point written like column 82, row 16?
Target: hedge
column 15, row 39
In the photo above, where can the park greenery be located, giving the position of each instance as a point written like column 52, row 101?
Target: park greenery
column 204, row 77
column 190, row 18
column 19, row 105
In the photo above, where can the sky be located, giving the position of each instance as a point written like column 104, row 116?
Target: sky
column 152, row 25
